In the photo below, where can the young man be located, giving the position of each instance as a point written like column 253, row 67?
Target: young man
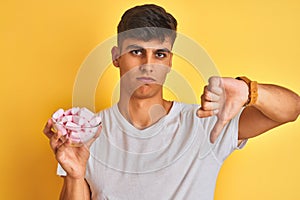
column 150, row 148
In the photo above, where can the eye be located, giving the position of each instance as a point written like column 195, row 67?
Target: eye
column 136, row 52
column 161, row 55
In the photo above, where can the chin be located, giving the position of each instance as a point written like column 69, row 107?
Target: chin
column 145, row 92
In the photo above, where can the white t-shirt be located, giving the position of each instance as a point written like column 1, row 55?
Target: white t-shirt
column 172, row 159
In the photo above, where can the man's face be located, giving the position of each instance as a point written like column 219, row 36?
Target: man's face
column 143, row 65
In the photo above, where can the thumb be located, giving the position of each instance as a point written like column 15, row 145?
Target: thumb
column 217, row 129
column 201, row 113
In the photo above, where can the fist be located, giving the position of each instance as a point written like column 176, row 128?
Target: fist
column 223, row 97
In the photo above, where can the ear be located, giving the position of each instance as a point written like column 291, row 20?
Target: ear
column 115, row 54
column 170, row 61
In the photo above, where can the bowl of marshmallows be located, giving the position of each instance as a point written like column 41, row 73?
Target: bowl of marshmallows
column 79, row 125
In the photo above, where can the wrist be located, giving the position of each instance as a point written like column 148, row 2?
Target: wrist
column 252, row 90
column 73, row 188
column 73, row 182
column 76, row 174
column 74, row 178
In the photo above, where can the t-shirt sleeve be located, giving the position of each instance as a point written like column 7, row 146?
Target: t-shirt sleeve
column 227, row 141
column 60, row 171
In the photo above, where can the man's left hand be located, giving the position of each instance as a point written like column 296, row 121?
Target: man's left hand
column 223, row 97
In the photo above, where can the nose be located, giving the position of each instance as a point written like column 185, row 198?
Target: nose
column 148, row 63
column 147, row 68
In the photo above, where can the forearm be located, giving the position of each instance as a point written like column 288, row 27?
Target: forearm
column 75, row 189
column 277, row 103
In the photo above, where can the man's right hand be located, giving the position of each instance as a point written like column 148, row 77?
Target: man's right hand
column 72, row 158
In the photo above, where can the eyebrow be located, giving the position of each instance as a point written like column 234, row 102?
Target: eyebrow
column 135, row 46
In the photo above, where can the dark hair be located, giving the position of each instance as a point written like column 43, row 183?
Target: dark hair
column 146, row 22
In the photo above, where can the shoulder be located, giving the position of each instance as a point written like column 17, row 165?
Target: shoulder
column 107, row 111
column 188, row 112
column 185, row 112
column 184, row 107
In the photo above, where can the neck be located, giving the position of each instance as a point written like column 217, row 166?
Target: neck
column 142, row 113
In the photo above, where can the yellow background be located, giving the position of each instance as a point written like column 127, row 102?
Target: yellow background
column 43, row 43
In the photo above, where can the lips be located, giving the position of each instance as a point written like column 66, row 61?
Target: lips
column 146, row 80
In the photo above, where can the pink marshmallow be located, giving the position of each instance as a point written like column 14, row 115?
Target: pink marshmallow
column 72, row 126
column 79, row 120
column 60, row 128
column 72, row 111
column 75, row 135
column 58, row 114
column 75, row 110
column 85, row 136
column 86, row 113
column 68, row 112
column 95, row 121
column 67, row 118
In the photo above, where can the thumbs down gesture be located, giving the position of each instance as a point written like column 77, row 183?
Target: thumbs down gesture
column 223, row 97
